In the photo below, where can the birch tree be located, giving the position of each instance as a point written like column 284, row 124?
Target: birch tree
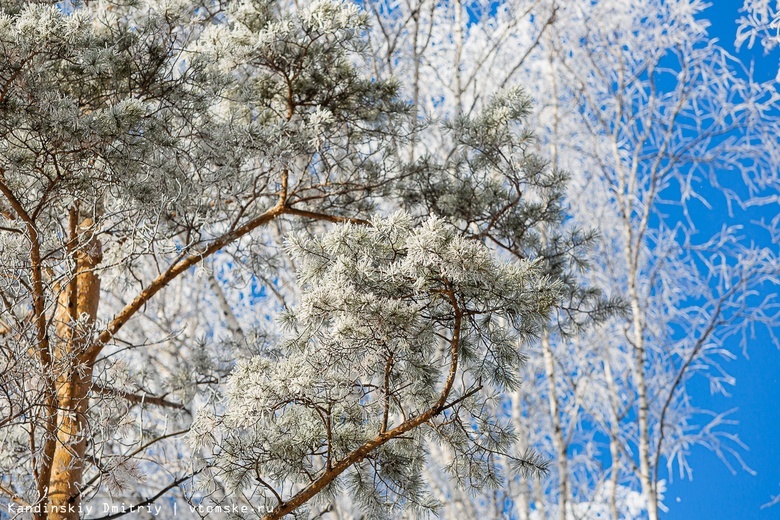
column 154, row 158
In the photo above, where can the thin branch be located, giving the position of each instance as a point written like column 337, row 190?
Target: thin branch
column 172, row 272
column 328, row 218
column 13, row 496
column 138, row 399
column 136, row 507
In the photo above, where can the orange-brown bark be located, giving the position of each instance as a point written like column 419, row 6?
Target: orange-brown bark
column 42, row 468
column 75, row 315
column 68, row 357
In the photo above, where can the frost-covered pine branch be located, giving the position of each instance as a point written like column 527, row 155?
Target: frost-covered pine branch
column 399, row 332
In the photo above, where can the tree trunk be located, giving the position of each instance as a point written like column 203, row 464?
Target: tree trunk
column 648, row 487
column 522, row 499
column 559, row 444
column 640, row 355
column 75, row 315
column 458, row 37
column 614, row 448
column 68, row 462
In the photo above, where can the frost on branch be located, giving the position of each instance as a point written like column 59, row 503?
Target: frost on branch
column 399, row 330
column 760, row 21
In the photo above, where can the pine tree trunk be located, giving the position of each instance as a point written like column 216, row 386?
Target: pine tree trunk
column 68, row 462
column 75, row 315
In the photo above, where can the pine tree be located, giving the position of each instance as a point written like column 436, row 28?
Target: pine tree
column 151, row 151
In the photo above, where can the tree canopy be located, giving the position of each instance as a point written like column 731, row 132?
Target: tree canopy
column 143, row 147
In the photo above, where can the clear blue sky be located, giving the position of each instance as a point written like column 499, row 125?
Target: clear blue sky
column 715, row 493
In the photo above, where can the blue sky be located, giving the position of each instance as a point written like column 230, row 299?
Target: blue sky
column 714, row 492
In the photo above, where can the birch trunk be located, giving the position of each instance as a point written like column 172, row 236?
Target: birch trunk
column 458, row 54
column 640, row 355
column 648, row 489
column 522, row 501
column 559, row 444
column 614, row 448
